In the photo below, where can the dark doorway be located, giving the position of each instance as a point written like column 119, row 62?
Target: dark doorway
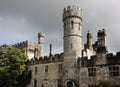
column 35, row 83
column 69, row 84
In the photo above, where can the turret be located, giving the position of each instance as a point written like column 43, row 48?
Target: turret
column 101, row 41
column 72, row 20
column 89, row 40
column 41, row 38
column 51, row 49
column 88, row 48
column 101, row 48
column 40, row 43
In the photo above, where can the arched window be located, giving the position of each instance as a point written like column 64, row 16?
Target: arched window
column 69, row 84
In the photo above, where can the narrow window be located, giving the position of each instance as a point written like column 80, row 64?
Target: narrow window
column 72, row 24
column 60, row 68
column 79, row 26
column 35, row 70
column 64, row 26
column 46, row 69
column 71, row 46
column 59, row 83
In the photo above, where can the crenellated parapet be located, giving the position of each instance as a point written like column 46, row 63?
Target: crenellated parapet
column 45, row 59
column 113, row 59
column 101, row 33
column 21, row 44
column 86, row 62
column 72, row 11
column 26, row 44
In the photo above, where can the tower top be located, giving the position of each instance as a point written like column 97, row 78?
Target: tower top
column 72, row 11
column 51, row 49
column 101, row 32
column 89, row 35
column 41, row 34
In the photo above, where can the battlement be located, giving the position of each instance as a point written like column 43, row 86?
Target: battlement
column 24, row 44
column 21, row 44
column 101, row 32
column 113, row 59
column 110, row 55
column 88, row 62
column 72, row 11
column 41, row 34
column 45, row 59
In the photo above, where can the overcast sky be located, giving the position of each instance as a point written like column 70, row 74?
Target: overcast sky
column 22, row 19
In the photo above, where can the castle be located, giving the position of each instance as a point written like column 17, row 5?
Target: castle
column 75, row 67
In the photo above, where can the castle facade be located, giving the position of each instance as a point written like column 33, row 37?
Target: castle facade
column 76, row 66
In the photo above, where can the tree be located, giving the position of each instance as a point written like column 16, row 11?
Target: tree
column 12, row 64
column 24, row 79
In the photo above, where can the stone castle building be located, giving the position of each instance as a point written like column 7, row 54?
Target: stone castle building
column 76, row 66
column 32, row 50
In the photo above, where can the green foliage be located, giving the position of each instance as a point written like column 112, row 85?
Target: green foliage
column 103, row 84
column 12, row 64
column 24, row 79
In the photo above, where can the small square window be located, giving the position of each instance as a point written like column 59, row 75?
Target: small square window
column 92, row 72
column 114, row 71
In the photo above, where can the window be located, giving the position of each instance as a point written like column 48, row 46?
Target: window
column 35, row 83
column 92, row 72
column 71, row 46
column 72, row 22
column 114, row 70
column 92, row 86
column 35, row 70
column 69, row 84
column 79, row 26
column 59, row 83
column 64, row 26
column 46, row 69
column 59, row 68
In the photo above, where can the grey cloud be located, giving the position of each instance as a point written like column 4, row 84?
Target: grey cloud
column 46, row 16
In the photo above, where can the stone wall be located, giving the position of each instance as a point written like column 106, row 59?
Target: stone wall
column 45, row 78
column 102, row 75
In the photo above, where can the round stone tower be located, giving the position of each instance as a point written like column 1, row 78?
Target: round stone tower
column 40, row 43
column 41, row 38
column 72, row 19
column 72, row 30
